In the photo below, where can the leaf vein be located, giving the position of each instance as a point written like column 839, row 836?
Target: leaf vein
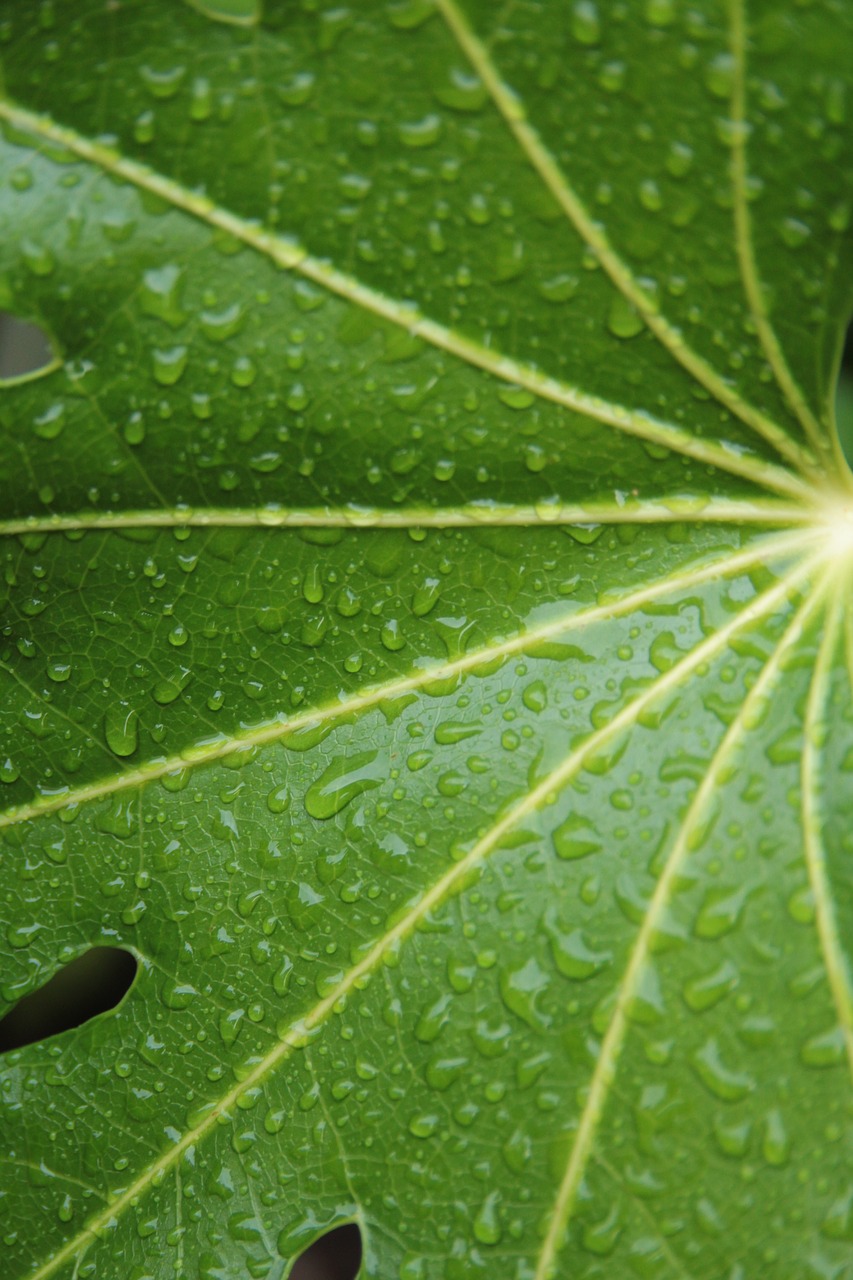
column 272, row 730
column 301, row 1031
column 837, row 968
column 676, row 508
column 611, row 1046
column 593, row 234
column 744, row 241
column 291, row 256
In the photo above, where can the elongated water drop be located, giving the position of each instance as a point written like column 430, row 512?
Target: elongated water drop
column 121, row 729
column 344, row 779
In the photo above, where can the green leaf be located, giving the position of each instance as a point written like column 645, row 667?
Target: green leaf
column 427, row 641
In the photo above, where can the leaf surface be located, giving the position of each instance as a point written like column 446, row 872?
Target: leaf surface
column 427, row 642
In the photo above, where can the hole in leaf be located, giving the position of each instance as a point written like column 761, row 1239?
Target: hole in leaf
column 25, row 349
column 335, row 1256
column 93, row 983
column 844, row 398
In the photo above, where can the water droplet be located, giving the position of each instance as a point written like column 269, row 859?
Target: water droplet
column 169, row 365
column 441, row 1072
column 708, row 990
column 722, row 1081
column 573, row 957
column 230, row 1024
column 776, row 1145
column 719, row 77
column 601, row 1237
column 424, row 1126
column 407, row 14
column 660, row 13
column 517, row 1151
column 159, row 295
column 163, row 83
column 521, row 987
column 49, row 424
column 720, row 912
column 516, row 397
column 576, row 838
column 838, row 1223
column 201, row 101
column 623, row 319
column 20, row 936
column 462, row 91
column 343, row 780
column 8, row 770
column 392, row 636
column 38, row 257
column 535, row 696
column 825, row 1050
column 487, row 1225
column 433, row 1019
column 121, row 728
column 222, row 324
column 420, row 133
column 426, row 597
column 278, row 800
column 586, row 22
column 242, row 13
column 453, row 731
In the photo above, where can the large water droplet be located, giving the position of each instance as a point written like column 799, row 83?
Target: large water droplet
column 121, row 728
column 343, row 780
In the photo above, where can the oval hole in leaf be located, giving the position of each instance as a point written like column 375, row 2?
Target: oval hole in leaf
column 25, row 349
column 335, row 1256
column 844, row 397
column 93, row 983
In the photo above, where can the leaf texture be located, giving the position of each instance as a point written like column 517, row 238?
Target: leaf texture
column 427, row 640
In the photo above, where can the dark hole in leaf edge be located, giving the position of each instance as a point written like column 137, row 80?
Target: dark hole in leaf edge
column 335, row 1256
column 844, row 397
column 25, row 349
column 93, row 983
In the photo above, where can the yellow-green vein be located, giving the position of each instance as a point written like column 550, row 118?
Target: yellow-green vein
column 836, row 964
column 611, row 1046
column 300, row 1032
column 753, row 289
column 848, row 642
column 289, row 255
column 618, row 270
column 273, row 730
column 678, row 508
